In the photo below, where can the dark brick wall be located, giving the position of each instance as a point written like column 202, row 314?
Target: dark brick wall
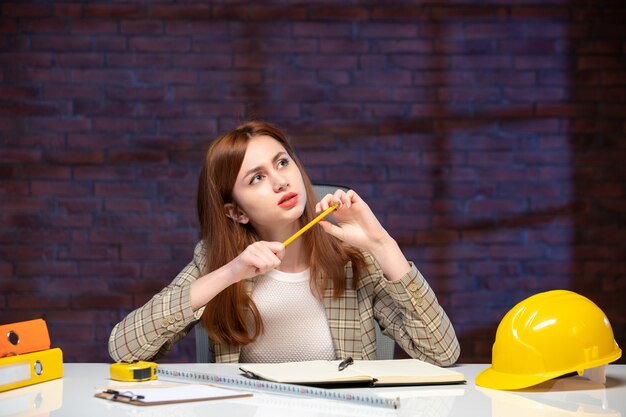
column 487, row 135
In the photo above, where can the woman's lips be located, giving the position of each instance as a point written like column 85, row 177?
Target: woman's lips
column 288, row 200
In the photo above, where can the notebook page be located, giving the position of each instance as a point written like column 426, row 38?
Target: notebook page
column 309, row 371
column 409, row 369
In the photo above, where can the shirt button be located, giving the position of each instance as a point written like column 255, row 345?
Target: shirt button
column 178, row 316
column 412, row 287
column 171, row 320
column 164, row 323
column 419, row 301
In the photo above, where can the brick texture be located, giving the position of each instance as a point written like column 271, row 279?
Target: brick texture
column 488, row 137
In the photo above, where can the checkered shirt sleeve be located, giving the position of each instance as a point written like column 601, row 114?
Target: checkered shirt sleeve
column 408, row 311
column 150, row 331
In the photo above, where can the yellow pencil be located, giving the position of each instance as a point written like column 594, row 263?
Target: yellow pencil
column 310, row 224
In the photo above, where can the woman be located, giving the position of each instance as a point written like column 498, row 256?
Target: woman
column 260, row 301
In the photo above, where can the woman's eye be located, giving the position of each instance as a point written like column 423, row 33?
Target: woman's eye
column 255, row 179
column 283, row 162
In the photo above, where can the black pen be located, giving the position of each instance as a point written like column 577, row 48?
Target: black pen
column 126, row 395
column 345, row 363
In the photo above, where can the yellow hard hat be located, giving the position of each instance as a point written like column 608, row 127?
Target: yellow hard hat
column 547, row 335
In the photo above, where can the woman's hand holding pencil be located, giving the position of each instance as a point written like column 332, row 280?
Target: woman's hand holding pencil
column 356, row 224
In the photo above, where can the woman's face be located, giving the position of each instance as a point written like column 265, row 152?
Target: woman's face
column 269, row 192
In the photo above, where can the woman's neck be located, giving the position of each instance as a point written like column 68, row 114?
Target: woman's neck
column 295, row 259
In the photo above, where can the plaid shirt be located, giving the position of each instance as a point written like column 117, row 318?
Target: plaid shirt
column 407, row 311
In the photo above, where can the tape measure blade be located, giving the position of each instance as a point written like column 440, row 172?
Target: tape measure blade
column 279, row 388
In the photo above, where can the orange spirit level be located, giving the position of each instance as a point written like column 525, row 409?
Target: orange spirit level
column 23, row 337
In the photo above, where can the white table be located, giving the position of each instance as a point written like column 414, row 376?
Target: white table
column 73, row 395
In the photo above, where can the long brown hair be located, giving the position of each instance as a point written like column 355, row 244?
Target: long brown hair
column 226, row 316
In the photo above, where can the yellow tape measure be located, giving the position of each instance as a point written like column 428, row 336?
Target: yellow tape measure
column 133, row 372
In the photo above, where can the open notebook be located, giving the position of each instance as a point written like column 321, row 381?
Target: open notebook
column 362, row 372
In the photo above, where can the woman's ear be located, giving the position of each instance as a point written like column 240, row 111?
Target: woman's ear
column 233, row 212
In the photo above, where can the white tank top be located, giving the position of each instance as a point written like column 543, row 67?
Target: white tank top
column 294, row 321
